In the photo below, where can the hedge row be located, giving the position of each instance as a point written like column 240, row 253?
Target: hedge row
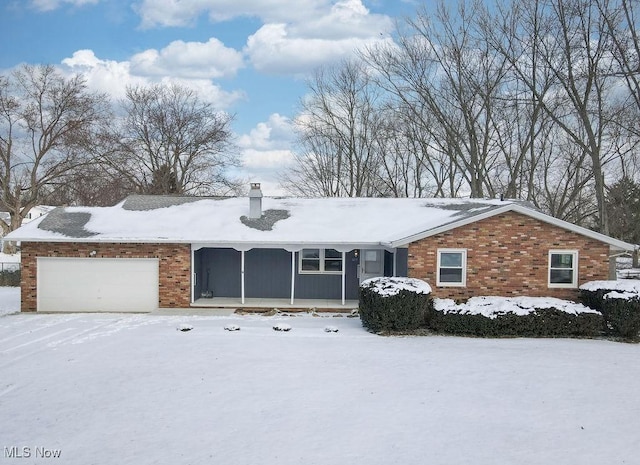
column 544, row 322
column 405, row 310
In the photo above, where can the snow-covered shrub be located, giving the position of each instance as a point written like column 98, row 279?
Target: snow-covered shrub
column 515, row 316
column 592, row 293
column 394, row 304
column 282, row 327
column 621, row 311
column 10, row 278
column 619, row 302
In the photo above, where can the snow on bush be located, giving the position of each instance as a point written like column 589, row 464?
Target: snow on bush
column 388, row 286
column 631, row 286
column 515, row 316
column 624, row 295
column 282, row 327
column 491, row 307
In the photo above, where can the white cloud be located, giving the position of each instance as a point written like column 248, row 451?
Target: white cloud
column 274, row 50
column 183, row 12
column 293, row 39
column 266, row 159
column 347, row 19
column 107, row 76
column 50, row 5
column 209, row 59
column 266, row 151
column 276, row 133
column 113, row 77
column 299, row 47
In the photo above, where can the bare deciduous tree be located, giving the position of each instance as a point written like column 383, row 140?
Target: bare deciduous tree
column 172, row 142
column 48, row 127
column 443, row 70
column 340, row 130
column 92, row 184
column 535, row 100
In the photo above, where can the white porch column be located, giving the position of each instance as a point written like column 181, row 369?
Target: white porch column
column 395, row 262
column 293, row 274
column 344, row 261
column 242, row 276
column 193, row 276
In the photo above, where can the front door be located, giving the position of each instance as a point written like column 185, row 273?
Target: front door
column 371, row 263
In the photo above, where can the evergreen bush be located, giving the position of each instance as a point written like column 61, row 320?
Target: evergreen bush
column 10, row 278
column 620, row 308
column 622, row 317
column 543, row 322
column 402, row 309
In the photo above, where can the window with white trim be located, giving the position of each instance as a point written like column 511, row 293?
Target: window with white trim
column 452, row 267
column 320, row 261
column 563, row 268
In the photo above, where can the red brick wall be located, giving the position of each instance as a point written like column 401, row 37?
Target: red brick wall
column 174, row 268
column 508, row 255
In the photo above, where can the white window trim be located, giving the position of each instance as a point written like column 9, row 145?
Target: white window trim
column 464, row 268
column 574, row 282
column 322, row 259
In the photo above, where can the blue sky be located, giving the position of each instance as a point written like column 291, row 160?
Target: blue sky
column 247, row 57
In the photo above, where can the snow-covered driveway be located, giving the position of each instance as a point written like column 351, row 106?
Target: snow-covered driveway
column 131, row 389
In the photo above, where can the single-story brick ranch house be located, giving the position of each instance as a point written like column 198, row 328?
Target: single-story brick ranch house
column 154, row 252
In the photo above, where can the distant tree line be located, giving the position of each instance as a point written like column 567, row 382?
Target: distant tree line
column 535, row 100
column 62, row 144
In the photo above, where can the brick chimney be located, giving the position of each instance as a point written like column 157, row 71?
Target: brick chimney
column 255, row 201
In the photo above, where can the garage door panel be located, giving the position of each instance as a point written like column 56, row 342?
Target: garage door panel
column 97, row 284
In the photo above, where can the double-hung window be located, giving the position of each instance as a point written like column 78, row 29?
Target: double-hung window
column 452, row 267
column 320, row 261
column 563, row 268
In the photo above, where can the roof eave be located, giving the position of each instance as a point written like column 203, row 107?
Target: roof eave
column 449, row 226
column 616, row 243
column 197, row 244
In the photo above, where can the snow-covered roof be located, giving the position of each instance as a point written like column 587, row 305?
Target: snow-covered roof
column 290, row 223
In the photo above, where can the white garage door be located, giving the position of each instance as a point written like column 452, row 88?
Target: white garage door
column 97, row 284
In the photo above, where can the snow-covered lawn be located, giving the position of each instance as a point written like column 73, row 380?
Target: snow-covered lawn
column 9, row 301
column 132, row 389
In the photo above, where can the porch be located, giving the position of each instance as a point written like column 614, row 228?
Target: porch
column 310, row 278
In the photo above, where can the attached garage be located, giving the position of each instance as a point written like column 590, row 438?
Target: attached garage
column 97, row 284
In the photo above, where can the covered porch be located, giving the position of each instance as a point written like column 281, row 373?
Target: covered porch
column 319, row 276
